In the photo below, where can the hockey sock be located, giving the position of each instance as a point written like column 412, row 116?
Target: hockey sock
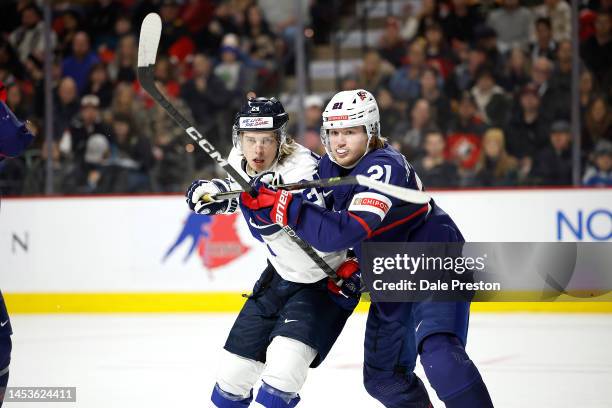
column 222, row 399
column 270, row 397
column 452, row 374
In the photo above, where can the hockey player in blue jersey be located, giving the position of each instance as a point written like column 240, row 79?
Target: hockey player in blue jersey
column 395, row 332
column 294, row 315
column 14, row 138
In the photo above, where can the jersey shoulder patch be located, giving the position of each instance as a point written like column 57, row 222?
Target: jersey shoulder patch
column 371, row 202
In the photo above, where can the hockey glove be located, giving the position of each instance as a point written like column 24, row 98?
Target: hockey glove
column 195, row 197
column 347, row 291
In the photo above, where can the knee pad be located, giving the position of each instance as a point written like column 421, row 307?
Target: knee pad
column 395, row 388
column 287, row 363
column 237, row 375
column 452, row 374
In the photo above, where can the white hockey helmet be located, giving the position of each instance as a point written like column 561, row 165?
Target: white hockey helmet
column 347, row 109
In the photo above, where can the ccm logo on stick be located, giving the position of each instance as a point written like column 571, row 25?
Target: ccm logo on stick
column 205, row 144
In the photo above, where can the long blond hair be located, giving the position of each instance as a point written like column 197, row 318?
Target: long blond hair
column 505, row 162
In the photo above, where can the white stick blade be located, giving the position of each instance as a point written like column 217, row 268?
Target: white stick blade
column 401, row 193
column 150, row 33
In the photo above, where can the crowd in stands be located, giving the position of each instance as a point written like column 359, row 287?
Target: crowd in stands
column 473, row 93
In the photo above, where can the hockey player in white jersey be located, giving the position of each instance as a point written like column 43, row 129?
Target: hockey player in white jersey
column 295, row 313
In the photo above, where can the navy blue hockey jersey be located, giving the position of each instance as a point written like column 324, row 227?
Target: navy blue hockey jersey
column 355, row 213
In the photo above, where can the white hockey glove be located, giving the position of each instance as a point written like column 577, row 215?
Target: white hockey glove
column 200, row 188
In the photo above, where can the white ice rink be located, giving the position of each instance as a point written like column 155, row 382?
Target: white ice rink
column 169, row 360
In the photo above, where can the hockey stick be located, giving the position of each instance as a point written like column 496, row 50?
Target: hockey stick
column 150, row 34
column 401, row 193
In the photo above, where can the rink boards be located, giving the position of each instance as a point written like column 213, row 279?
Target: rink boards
column 149, row 254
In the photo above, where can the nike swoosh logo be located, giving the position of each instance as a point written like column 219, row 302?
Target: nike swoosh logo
column 418, row 325
column 289, row 321
column 327, row 193
column 3, row 323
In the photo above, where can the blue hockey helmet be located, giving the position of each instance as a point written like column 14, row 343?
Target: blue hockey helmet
column 261, row 114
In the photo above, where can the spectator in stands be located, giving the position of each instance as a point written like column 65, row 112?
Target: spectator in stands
column 553, row 164
column 512, row 22
column 405, row 83
column 237, row 77
column 464, row 75
column 433, row 169
column 173, row 28
column 99, row 84
column 437, row 51
column 29, row 37
column 9, row 61
column 127, row 104
column 540, row 76
column 123, row 67
column 313, row 109
column 597, row 123
column 428, row 14
column 324, row 16
column 206, row 96
column 66, row 106
column 490, row 98
column 374, row 73
column 34, row 71
column 466, row 120
column 544, row 45
column 391, row 45
column 409, row 22
column 255, row 26
column 561, row 78
column 527, row 131
column 599, row 174
column 559, row 13
column 88, row 123
column 410, row 138
column 15, row 100
column 35, row 178
column 166, row 72
column 102, row 18
column 258, row 41
column 282, row 17
column 464, row 138
column 586, row 89
column 596, row 51
column 390, row 114
column 132, row 158
column 174, row 163
column 461, row 21
column 486, row 40
column 90, row 173
column 78, row 65
column 223, row 22
column 517, row 72
column 495, row 167
column 431, row 92
column 70, row 25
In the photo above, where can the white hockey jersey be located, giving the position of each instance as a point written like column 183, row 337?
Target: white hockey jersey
column 289, row 260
